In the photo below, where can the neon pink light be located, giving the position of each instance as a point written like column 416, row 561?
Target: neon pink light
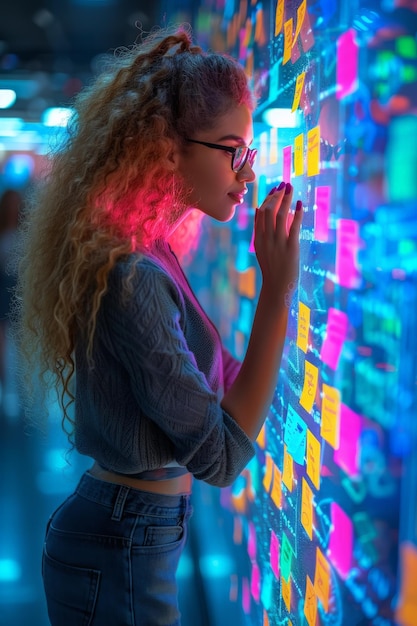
column 274, row 553
column 287, row 163
column 256, row 582
column 347, row 64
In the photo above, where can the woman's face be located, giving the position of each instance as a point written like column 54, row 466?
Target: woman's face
column 216, row 189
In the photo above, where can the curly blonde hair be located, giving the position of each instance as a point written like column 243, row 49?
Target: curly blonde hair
column 108, row 192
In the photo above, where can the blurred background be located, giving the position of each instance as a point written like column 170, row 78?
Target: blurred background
column 321, row 527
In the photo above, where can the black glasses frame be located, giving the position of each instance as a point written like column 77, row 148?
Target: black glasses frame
column 250, row 152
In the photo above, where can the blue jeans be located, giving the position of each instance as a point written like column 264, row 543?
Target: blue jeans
column 110, row 556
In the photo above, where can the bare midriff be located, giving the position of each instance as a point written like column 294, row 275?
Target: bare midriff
column 170, row 487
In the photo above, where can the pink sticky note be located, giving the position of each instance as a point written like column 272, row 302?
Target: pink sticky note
column 322, row 214
column 255, row 582
column 347, row 245
column 245, row 596
column 340, row 541
column 274, row 553
column 287, row 163
column 252, row 541
column 347, row 455
column 336, row 330
column 347, row 64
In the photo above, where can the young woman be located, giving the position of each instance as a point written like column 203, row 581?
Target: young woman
column 157, row 399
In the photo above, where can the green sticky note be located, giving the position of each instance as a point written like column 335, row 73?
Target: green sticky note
column 286, row 558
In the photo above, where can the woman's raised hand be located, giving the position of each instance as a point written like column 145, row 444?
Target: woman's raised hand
column 276, row 242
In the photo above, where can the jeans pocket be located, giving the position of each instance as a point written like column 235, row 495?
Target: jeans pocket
column 163, row 535
column 71, row 592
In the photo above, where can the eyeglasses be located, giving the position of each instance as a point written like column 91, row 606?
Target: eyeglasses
column 241, row 154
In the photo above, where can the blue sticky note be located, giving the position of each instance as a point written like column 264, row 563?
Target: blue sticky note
column 295, row 435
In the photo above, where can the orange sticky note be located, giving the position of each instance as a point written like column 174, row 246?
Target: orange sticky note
column 265, row 619
column 322, row 579
column 303, row 326
column 407, row 604
column 269, row 465
column 307, row 508
column 313, row 453
column 286, row 592
column 301, row 13
column 247, row 283
column 276, row 493
column 298, row 89
column 308, row 393
column 330, row 416
column 279, row 17
column 261, row 438
column 313, row 151
column 287, row 41
column 288, row 470
column 310, row 605
column 299, row 155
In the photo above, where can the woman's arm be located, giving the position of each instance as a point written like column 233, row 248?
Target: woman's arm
column 277, row 251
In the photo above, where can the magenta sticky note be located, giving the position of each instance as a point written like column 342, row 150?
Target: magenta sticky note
column 255, row 585
column 347, row 58
column 340, row 541
column 347, row 455
column 347, row 246
column 252, row 541
column 322, row 214
column 274, row 553
column 245, row 596
column 287, row 163
column 336, row 330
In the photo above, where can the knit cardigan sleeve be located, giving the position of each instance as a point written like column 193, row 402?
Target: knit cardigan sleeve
column 146, row 333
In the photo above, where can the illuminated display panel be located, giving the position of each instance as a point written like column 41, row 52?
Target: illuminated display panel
column 326, row 512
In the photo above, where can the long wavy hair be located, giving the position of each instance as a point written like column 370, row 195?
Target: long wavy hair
column 108, row 191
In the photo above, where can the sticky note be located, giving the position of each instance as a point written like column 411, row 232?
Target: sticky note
column 263, row 149
column 348, row 243
column 255, row 584
column 340, row 541
column 287, row 163
column 269, row 466
column 303, row 326
column 347, row 64
column 276, row 493
column 279, row 17
column 322, row 213
column 336, row 331
column 347, row 454
column 299, row 155
column 265, row 621
column 251, row 541
column 288, row 470
column 261, row 438
column 308, row 393
column 274, row 553
column 313, row 456
column 286, row 557
column 247, row 282
column 288, row 26
column 407, row 604
column 246, row 602
column 307, row 508
column 295, row 435
column 330, row 415
column 273, row 145
column 322, row 579
column 237, row 530
column 286, row 592
column 313, row 151
column 301, row 13
column 299, row 84
column 310, row 604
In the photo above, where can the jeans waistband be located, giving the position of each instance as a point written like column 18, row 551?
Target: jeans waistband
column 123, row 498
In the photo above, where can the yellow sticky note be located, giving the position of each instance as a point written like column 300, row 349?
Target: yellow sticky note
column 313, row 453
column 276, row 493
column 313, row 151
column 310, row 604
column 298, row 90
column 273, row 145
column 308, row 393
column 269, row 466
column 301, row 13
column 279, row 17
column 330, row 416
column 307, row 508
column 288, row 470
column 286, row 592
column 322, row 579
column 303, row 326
column 261, row 438
column 287, row 40
column 299, row 155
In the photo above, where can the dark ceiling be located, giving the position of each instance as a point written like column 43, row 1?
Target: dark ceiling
column 51, row 35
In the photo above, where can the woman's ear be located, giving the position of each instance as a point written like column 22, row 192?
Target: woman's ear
column 173, row 157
